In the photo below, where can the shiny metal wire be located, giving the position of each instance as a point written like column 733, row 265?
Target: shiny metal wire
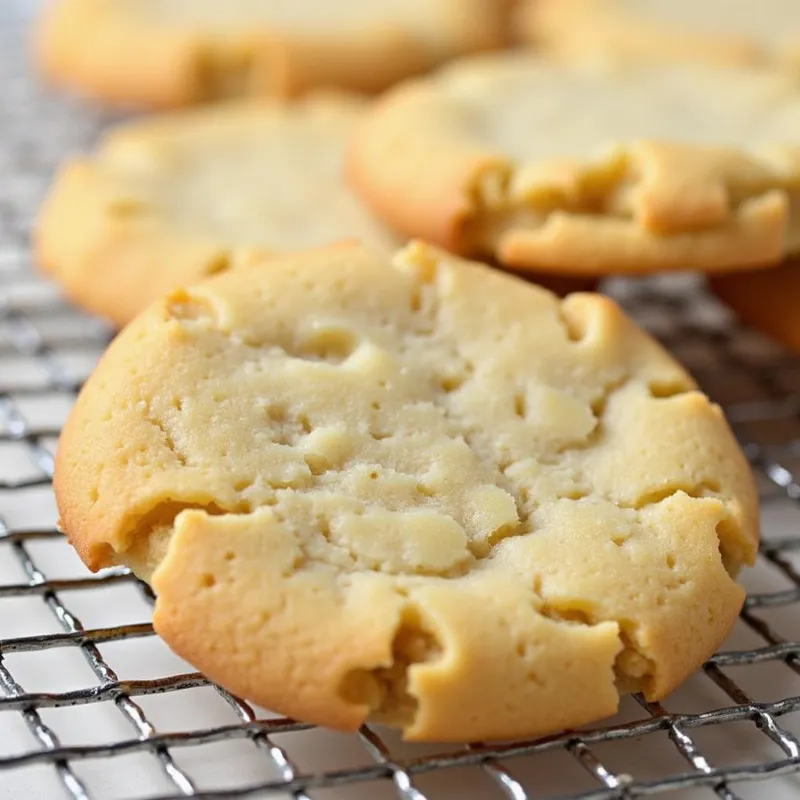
column 42, row 340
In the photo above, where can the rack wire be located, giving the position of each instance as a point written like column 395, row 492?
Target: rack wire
column 734, row 726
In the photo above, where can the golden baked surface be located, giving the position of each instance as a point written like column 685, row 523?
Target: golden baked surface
column 167, row 201
column 573, row 168
column 411, row 489
column 167, row 53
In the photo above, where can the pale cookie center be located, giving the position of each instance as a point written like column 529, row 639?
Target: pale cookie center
column 770, row 23
column 387, row 443
column 276, row 184
column 377, row 462
column 533, row 113
column 298, row 15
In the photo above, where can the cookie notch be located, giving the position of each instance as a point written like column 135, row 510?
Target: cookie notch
column 649, row 207
column 413, row 660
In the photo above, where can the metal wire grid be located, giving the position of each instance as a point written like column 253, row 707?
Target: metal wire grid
column 46, row 350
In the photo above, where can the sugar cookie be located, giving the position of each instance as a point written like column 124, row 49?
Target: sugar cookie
column 589, row 168
column 712, row 31
column 178, row 52
column 411, row 489
column 169, row 200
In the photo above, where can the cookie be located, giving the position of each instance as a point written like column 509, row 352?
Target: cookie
column 766, row 299
column 712, row 31
column 414, row 490
column 588, row 168
column 169, row 200
column 166, row 53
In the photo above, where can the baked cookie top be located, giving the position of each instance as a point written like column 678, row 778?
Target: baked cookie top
column 166, row 201
column 179, row 52
column 721, row 31
column 411, row 488
column 590, row 168
column 769, row 300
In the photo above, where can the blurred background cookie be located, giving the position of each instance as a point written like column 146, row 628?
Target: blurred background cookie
column 180, row 52
column 168, row 200
column 588, row 168
column 721, row 31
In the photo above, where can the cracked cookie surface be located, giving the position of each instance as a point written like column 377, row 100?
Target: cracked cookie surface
column 167, row 201
column 712, row 31
column 414, row 490
column 591, row 168
column 168, row 53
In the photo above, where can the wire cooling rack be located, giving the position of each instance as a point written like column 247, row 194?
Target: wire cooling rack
column 92, row 705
